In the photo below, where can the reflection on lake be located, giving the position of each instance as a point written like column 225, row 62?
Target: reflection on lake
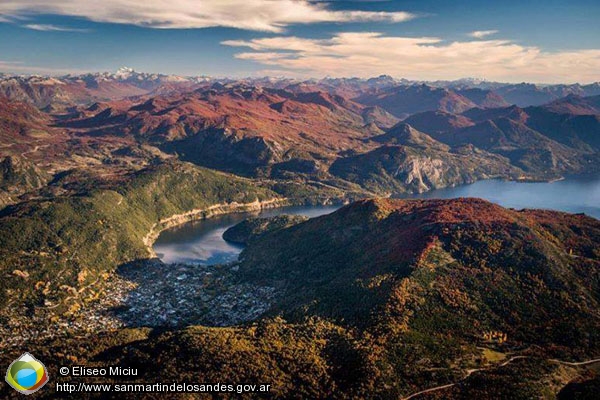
column 201, row 242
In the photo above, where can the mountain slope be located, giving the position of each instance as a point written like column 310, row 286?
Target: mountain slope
column 575, row 105
column 385, row 298
column 241, row 128
column 439, row 121
column 538, row 140
column 99, row 228
column 483, row 98
column 578, row 131
column 390, row 297
column 19, row 176
column 441, row 267
column 402, row 101
column 526, row 148
column 406, row 166
column 405, row 134
column 527, row 94
column 61, row 93
column 328, row 132
column 20, row 119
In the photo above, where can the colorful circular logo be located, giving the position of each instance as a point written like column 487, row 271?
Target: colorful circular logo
column 26, row 374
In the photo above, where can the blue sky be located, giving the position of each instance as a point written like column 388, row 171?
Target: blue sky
column 538, row 41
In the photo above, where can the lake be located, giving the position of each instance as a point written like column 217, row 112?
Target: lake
column 201, row 242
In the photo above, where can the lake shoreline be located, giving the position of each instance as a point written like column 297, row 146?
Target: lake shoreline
column 574, row 194
column 224, row 209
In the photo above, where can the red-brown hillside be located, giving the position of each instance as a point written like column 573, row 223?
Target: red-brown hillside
column 440, row 268
column 308, row 122
column 402, row 101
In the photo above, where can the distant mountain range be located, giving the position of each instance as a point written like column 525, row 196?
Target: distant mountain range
column 384, row 298
column 379, row 135
column 58, row 93
column 63, row 91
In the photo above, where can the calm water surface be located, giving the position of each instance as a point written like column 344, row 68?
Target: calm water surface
column 201, row 242
column 575, row 195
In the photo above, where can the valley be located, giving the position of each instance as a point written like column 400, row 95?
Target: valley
column 332, row 133
column 427, row 273
column 390, row 292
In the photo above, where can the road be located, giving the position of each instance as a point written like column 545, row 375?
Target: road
column 36, row 148
column 472, row 371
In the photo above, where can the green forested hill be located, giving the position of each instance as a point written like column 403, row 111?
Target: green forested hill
column 50, row 249
column 380, row 299
column 385, row 298
column 441, row 269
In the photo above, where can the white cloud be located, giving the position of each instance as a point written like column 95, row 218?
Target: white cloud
column 52, row 28
column 259, row 15
column 371, row 54
column 18, row 67
column 482, row 34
